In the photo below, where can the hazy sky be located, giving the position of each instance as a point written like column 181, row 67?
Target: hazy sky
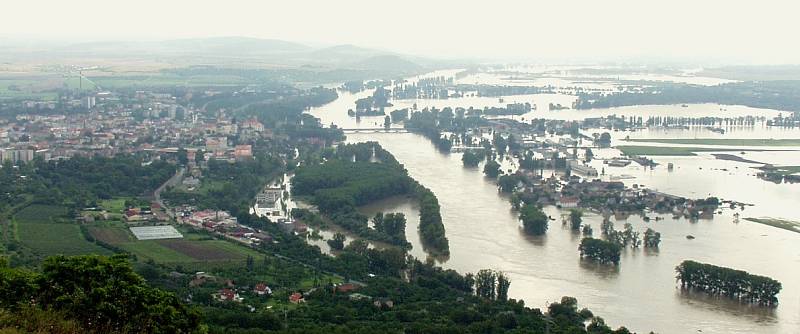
column 761, row 31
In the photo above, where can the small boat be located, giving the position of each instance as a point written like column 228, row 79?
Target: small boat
column 690, row 237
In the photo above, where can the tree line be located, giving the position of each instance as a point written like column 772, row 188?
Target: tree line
column 736, row 284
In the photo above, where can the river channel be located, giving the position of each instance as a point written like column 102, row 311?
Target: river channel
column 641, row 293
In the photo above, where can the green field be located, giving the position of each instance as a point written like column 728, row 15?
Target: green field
column 779, row 223
column 40, row 214
column 116, row 205
column 152, row 250
column 52, row 239
column 24, row 89
column 193, row 248
column 724, row 142
column 37, row 229
column 177, row 251
column 673, row 151
column 110, row 234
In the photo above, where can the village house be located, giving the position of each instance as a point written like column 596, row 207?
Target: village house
column 228, row 295
column 296, row 298
column 262, row 289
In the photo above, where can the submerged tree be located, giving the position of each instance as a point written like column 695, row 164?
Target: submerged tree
column 600, row 250
column 492, row 169
column 728, row 282
column 534, row 221
column 471, row 158
column 587, row 230
column 575, row 219
column 651, row 238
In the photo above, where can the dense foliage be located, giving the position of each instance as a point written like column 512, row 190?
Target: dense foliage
column 737, row 284
column 492, row 169
column 357, row 174
column 575, row 219
column 472, row 158
column 651, row 238
column 103, row 294
column 431, row 227
column 600, row 250
column 80, row 181
column 534, row 221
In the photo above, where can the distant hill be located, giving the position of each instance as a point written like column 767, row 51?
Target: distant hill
column 201, row 46
column 345, row 51
column 231, row 52
column 239, row 44
column 386, row 63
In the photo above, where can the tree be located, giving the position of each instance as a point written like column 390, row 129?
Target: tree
column 534, row 221
column 651, row 238
column 337, row 242
column 472, row 158
column 183, row 156
column 729, row 282
column 605, row 139
column 600, row 250
column 507, row 183
column 250, row 263
column 575, row 219
column 387, row 122
column 103, row 293
column 587, row 230
column 500, row 143
column 199, row 156
column 503, row 283
column 492, row 169
column 485, row 283
column 631, row 237
column 589, row 155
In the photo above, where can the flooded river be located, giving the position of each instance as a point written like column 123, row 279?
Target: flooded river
column 641, row 293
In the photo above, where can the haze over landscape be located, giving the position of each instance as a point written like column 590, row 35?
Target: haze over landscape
column 708, row 31
column 399, row 167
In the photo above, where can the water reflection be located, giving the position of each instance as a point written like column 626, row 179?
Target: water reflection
column 700, row 299
column 601, row 270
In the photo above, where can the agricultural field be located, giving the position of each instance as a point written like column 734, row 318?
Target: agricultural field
column 40, row 214
column 208, row 250
column 59, row 238
column 37, row 228
column 24, row 89
column 110, row 235
column 193, row 248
